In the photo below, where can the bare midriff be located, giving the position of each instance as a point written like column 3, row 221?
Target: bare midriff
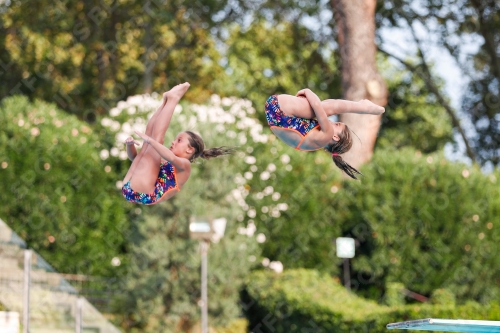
column 295, row 139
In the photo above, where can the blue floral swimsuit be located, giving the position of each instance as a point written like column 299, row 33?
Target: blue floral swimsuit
column 166, row 182
column 276, row 118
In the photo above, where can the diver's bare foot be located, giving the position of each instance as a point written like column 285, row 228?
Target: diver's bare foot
column 371, row 108
column 177, row 92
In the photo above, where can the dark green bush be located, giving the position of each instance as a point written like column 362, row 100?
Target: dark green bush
column 425, row 222
column 443, row 296
column 393, row 294
column 309, row 301
column 57, row 193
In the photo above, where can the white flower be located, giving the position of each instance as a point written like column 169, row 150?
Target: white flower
column 136, row 100
column 123, row 155
column 282, row 206
column 236, row 193
column 121, row 137
column 250, row 160
column 251, row 213
column 215, row 100
column 106, row 122
column 285, row 158
column 276, row 266
column 192, row 122
column 116, row 261
column 127, row 128
column 261, row 238
column 122, row 105
column 220, row 128
column 104, row 154
column 114, row 112
column 268, row 190
column 115, row 126
column 251, row 228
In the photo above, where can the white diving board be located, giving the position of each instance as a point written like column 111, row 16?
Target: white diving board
column 448, row 325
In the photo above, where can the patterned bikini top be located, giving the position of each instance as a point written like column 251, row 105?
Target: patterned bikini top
column 167, row 179
column 276, row 118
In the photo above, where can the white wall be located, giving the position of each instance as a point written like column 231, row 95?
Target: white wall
column 9, row 322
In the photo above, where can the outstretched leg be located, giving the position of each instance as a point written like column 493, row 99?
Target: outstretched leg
column 149, row 132
column 173, row 96
column 339, row 106
column 154, row 118
column 299, row 107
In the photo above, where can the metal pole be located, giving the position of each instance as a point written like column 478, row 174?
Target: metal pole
column 347, row 274
column 204, row 293
column 78, row 315
column 26, row 291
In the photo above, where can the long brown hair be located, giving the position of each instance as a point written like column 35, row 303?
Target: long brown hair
column 340, row 147
column 197, row 143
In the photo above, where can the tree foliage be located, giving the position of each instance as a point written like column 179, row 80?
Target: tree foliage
column 87, row 55
column 283, row 58
column 468, row 32
column 414, row 117
column 424, row 222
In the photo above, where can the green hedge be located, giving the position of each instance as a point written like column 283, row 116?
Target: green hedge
column 308, row 301
column 425, row 222
column 58, row 194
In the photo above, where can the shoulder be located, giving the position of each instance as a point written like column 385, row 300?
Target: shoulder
column 320, row 138
column 181, row 164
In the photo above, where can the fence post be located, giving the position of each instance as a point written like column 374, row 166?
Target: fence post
column 79, row 315
column 26, row 291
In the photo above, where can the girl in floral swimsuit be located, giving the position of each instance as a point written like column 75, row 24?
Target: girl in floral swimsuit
column 301, row 121
column 157, row 173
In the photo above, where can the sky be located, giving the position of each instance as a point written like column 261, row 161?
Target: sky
column 400, row 43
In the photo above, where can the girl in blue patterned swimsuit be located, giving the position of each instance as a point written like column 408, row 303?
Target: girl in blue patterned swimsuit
column 301, row 121
column 157, row 173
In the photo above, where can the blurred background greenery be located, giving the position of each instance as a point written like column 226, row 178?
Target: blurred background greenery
column 78, row 76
